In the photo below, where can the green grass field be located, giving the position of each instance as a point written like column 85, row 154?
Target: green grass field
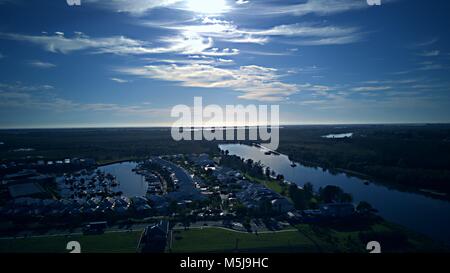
column 308, row 238
column 123, row 242
column 219, row 240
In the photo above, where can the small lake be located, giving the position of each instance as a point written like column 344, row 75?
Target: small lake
column 418, row 212
column 130, row 183
column 348, row 135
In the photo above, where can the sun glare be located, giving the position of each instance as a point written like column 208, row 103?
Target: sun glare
column 207, row 6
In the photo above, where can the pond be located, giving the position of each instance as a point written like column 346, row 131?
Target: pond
column 418, row 212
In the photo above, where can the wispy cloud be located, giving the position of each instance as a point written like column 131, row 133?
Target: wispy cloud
column 255, row 82
column 431, row 53
column 137, row 7
column 343, row 40
column 317, row 7
column 300, row 34
column 371, row 88
column 40, row 97
column 187, row 43
column 242, row 2
column 41, row 64
column 425, row 43
column 18, row 86
column 58, row 43
column 194, row 59
column 428, row 66
column 118, row 80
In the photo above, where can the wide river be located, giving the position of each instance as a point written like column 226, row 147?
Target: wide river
column 418, row 212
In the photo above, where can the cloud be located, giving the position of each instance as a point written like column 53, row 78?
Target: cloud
column 136, row 7
column 329, row 41
column 255, row 82
column 429, row 66
column 265, row 53
column 187, row 43
column 58, row 43
column 194, row 59
column 299, row 30
column 431, row 53
column 425, row 43
column 212, row 28
column 371, row 88
column 317, row 7
column 40, row 64
column 315, row 34
column 39, row 97
column 18, row 86
column 118, row 80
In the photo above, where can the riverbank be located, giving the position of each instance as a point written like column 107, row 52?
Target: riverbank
column 417, row 212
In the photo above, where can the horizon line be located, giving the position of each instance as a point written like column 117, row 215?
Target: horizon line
column 225, row 126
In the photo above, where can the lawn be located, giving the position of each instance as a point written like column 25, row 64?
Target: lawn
column 269, row 183
column 308, row 238
column 123, row 242
column 220, row 240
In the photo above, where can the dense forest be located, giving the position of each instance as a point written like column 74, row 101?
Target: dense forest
column 405, row 155
column 103, row 145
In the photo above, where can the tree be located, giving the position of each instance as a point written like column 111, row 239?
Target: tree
column 309, row 189
column 298, row 196
column 280, row 177
column 331, row 194
column 346, row 198
column 365, row 208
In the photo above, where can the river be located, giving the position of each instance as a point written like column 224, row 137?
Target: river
column 415, row 211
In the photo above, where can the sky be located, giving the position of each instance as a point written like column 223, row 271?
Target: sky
column 114, row 63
